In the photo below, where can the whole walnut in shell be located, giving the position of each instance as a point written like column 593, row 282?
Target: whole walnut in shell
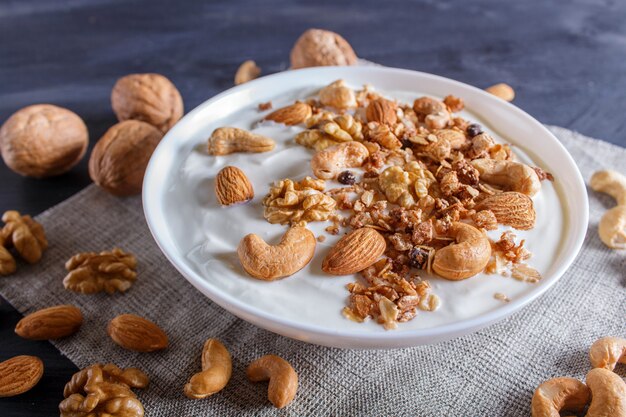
column 43, row 140
column 151, row 98
column 119, row 159
column 317, row 48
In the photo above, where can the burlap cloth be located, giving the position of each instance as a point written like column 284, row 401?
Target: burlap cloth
column 490, row 373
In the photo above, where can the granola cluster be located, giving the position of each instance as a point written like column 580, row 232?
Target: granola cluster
column 425, row 171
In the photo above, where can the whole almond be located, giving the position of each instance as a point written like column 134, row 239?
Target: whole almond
column 382, row 111
column 291, row 115
column 19, row 374
column 511, row 208
column 50, row 323
column 136, row 333
column 232, row 186
column 354, row 252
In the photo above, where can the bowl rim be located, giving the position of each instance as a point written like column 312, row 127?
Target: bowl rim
column 350, row 338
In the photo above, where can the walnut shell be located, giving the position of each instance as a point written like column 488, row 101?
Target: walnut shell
column 43, row 140
column 151, row 98
column 119, row 159
column 317, row 48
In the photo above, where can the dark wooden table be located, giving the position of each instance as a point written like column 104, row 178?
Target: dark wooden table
column 566, row 60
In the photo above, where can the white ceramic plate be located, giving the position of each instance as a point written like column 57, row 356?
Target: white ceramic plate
column 200, row 241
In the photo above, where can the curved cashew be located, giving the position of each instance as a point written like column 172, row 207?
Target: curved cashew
column 283, row 379
column 612, row 227
column 466, row 257
column 558, row 394
column 608, row 352
column 266, row 262
column 608, row 394
column 216, row 371
column 513, row 176
column 227, row 140
column 329, row 163
column 612, row 183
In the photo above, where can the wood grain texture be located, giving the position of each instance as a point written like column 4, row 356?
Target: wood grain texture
column 565, row 61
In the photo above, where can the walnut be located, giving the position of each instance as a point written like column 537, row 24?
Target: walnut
column 108, row 271
column 298, row 202
column 103, row 390
column 119, row 159
column 423, row 178
column 151, row 98
column 455, row 104
column 396, row 183
column 43, row 140
column 328, row 133
column 317, row 47
column 23, row 234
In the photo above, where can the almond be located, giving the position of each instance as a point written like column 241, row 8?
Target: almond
column 136, row 333
column 354, row 252
column 382, row 111
column 19, row 374
column 50, row 323
column 511, row 208
column 291, row 115
column 232, row 186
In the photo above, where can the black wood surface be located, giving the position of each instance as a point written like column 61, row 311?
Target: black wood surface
column 566, row 60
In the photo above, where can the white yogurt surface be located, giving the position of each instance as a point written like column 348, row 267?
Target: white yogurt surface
column 209, row 234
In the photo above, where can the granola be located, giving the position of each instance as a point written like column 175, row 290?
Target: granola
column 422, row 176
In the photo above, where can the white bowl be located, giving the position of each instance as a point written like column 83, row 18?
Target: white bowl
column 521, row 129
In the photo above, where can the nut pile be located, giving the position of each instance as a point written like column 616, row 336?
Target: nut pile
column 414, row 186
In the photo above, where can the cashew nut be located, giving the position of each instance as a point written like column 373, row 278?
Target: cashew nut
column 608, row 394
column 558, row 394
column 612, row 183
column 216, row 371
column 608, row 352
column 268, row 263
column 283, row 379
column 612, row 227
column 227, row 140
column 513, row 176
column 466, row 257
column 329, row 163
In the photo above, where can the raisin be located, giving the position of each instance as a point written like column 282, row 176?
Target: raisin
column 347, row 178
column 474, row 130
column 406, row 144
column 418, row 257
